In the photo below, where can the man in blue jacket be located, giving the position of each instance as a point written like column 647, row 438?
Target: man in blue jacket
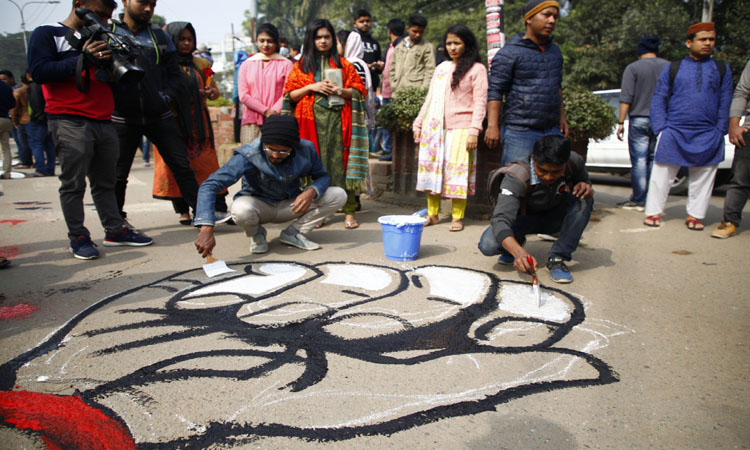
column 525, row 85
column 271, row 169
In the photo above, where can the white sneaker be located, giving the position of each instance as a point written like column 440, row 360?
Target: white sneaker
column 222, row 217
column 258, row 243
column 298, row 240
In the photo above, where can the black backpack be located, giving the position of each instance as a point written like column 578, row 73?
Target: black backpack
column 674, row 66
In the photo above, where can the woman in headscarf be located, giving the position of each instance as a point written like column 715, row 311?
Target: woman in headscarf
column 192, row 116
column 338, row 130
column 261, row 82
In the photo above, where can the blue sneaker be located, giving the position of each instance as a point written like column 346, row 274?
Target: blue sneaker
column 559, row 271
column 126, row 237
column 506, row 259
column 82, row 248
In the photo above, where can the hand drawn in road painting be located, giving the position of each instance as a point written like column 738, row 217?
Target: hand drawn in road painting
column 323, row 352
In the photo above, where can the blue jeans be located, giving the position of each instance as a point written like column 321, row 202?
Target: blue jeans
column 641, row 143
column 42, row 147
column 24, row 151
column 569, row 218
column 518, row 142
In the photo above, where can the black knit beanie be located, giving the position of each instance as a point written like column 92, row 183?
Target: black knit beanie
column 280, row 130
column 648, row 44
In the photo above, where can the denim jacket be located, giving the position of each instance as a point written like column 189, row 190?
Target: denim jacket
column 261, row 178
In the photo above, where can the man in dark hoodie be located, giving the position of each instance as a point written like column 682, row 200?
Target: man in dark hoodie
column 525, row 84
column 143, row 108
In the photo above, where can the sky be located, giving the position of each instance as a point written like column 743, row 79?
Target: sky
column 210, row 21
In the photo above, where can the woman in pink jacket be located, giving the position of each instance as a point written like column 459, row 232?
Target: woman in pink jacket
column 261, row 83
column 449, row 124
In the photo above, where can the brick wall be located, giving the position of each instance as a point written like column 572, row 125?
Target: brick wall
column 222, row 121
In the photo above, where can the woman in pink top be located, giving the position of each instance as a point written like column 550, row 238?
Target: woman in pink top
column 261, row 83
column 449, row 124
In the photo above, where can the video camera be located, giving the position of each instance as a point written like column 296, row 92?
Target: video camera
column 122, row 67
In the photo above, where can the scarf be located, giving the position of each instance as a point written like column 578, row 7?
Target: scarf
column 189, row 105
column 353, row 124
column 431, row 138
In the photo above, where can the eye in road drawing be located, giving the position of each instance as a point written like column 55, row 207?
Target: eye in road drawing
column 326, row 351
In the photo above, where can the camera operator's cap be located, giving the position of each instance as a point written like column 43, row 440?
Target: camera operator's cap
column 701, row 26
column 535, row 6
column 280, row 130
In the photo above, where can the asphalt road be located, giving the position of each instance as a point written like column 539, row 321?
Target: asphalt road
column 343, row 348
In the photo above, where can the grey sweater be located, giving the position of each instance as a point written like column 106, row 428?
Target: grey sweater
column 741, row 94
column 638, row 84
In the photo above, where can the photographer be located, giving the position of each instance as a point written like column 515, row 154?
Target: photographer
column 80, row 125
column 143, row 108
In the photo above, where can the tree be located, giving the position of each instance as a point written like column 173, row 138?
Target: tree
column 12, row 54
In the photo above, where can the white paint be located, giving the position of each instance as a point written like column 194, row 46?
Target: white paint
column 519, row 299
column 64, row 367
column 43, row 378
column 636, row 230
column 362, row 277
column 459, row 285
column 279, row 275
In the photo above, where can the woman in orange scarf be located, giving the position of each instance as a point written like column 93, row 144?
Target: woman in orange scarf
column 337, row 128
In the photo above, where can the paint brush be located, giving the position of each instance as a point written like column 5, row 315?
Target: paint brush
column 535, row 282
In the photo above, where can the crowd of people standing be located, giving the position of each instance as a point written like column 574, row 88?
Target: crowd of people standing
column 308, row 128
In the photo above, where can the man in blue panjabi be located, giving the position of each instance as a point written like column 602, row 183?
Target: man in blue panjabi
column 690, row 113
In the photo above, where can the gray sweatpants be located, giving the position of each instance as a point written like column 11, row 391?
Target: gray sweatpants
column 251, row 212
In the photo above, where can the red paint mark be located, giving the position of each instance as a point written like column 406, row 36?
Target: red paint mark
column 17, row 311
column 12, row 222
column 64, row 421
column 8, row 252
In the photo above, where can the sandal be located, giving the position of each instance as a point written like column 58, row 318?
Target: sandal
column 456, row 225
column 693, row 224
column 350, row 224
column 185, row 219
column 432, row 220
column 652, row 221
column 321, row 224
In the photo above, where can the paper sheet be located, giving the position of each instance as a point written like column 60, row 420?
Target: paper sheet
column 216, row 268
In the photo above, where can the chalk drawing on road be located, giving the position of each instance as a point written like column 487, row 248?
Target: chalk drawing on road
column 327, row 351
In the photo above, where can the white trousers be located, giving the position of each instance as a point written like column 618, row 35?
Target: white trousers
column 700, row 186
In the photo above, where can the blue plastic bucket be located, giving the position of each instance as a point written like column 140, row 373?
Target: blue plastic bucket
column 401, row 236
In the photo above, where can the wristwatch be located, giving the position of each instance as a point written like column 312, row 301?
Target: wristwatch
column 340, row 92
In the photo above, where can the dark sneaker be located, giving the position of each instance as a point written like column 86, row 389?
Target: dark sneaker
column 126, row 237
column 631, row 205
column 82, row 248
column 559, row 271
column 298, row 240
column 506, row 259
column 131, row 227
column 388, row 157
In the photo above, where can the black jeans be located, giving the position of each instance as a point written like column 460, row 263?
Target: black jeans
column 739, row 187
column 86, row 149
column 166, row 136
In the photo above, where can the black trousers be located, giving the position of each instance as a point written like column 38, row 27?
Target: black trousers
column 166, row 136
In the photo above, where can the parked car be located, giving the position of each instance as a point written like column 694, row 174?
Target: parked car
column 611, row 154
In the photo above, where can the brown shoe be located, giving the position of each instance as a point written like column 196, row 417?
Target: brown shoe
column 724, row 230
